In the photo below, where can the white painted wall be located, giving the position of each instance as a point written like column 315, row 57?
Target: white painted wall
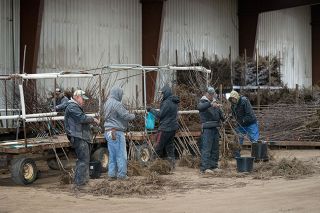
column 9, row 48
column 80, row 34
column 288, row 33
column 208, row 27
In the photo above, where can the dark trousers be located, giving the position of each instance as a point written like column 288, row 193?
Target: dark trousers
column 165, row 142
column 209, row 148
column 81, row 148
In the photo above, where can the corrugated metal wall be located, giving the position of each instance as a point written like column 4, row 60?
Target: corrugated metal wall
column 288, row 33
column 81, row 34
column 197, row 27
column 7, row 37
column 9, row 49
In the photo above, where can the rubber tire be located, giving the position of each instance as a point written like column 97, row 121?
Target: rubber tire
column 143, row 154
column 17, row 173
column 53, row 163
column 101, row 155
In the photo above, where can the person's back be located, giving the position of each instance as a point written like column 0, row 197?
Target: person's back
column 116, row 122
column 116, row 116
column 168, row 115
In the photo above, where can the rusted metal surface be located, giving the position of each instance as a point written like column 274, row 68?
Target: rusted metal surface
column 315, row 22
column 247, row 32
column 30, row 28
column 151, row 37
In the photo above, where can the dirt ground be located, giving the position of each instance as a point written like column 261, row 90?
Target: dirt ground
column 226, row 192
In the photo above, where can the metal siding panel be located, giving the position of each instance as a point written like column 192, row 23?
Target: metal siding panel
column 198, row 26
column 6, row 60
column 81, row 34
column 6, row 49
column 288, row 33
column 208, row 26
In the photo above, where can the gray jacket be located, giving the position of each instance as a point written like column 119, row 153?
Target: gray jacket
column 116, row 116
column 76, row 122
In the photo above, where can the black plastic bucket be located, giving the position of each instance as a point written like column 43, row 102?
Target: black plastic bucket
column 259, row 151
column 94, row 169
column 244, row 164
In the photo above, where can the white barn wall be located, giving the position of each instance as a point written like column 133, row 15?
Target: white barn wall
column 80, row 34
column 197, row 26
column 288, row 33
column 9, row 41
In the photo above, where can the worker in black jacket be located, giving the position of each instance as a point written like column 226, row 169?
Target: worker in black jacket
column 210, row 117
column 168, row 124
column 246, row 120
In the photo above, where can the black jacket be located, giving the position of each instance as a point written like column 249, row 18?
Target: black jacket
column 168, row 115
column 243, row 112
column 209, row 116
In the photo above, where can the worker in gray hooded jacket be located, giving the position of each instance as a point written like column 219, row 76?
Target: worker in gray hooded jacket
column 116, row 123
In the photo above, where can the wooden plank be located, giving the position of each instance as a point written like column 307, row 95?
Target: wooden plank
column 290, row 143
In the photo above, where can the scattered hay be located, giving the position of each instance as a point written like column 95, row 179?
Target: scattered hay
column 160, row 166
column 290, row 169
column 152, row 184
column 66, row 178
column 135, row 169
column 189, row 161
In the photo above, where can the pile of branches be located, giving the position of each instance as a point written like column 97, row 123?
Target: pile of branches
column 289, row 123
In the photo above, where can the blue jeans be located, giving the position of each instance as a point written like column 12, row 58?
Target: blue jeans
column 81, row 147
column 252, row 131
column 209, row 148
column 117, row 166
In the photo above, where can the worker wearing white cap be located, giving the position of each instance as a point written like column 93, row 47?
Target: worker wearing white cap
column 77, row 127
column 211, row 116
column 245, row 117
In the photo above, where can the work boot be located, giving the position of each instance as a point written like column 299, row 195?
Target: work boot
column 112, row 178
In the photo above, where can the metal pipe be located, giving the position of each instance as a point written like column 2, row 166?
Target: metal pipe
column 256, row 87
column 141, row 111
column 23, row 109
column 38, row 115
column 57, row 118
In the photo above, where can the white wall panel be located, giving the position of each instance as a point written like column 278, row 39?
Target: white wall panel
column 288, row 33
column 82, row 34
column 208, row 27
column 9, row 49
column 9, row 36
column 197, row 26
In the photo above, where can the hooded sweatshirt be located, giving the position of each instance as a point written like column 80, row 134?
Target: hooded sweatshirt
column 168, row 115
column 116, row 116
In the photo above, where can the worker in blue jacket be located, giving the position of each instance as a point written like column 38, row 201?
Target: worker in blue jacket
column 246, row 120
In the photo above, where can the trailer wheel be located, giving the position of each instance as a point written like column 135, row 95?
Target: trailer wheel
column 53, row 163
column 102, row 155
column 23, row 171
column 143, row 154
